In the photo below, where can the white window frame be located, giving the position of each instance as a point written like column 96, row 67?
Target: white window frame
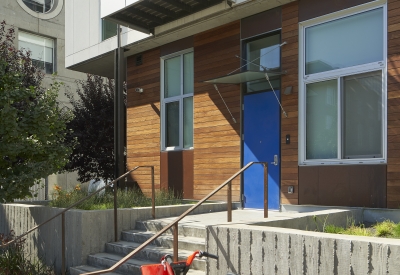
column 338, row 74
column 179, row 98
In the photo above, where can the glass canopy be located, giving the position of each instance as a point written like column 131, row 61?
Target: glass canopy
column 242, row 77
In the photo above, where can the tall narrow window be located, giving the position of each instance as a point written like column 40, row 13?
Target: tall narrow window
column 177, row 102
column 41, row 48
column 343, row 89
column 108, row 29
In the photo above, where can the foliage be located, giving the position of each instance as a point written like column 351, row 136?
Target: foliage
column 384, row 229
column 32, row 126
column 387, row 229
column 13, row 260
column 93, row 128
column 359, row 230
column 125, row 198
column 330, row 228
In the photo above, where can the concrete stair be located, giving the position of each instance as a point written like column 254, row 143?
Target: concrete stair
column 191, row 238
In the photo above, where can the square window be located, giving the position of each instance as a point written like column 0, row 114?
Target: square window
column 342, row 98
column 41, row 48
column 177, row 101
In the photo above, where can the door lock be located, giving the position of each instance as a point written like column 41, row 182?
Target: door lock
column 276, row 160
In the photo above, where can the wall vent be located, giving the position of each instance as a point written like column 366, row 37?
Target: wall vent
column 139, row 60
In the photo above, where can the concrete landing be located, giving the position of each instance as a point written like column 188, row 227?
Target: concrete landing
column 244, row 217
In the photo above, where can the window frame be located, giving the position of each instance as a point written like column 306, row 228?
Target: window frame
column 244, row 45
column 339, row 74
column 180, row 98
column 53, row 12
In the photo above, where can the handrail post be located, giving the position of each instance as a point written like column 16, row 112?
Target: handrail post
column 115, row 213
column 63, row 244
column 175, row 247
column 265, row 190
column 230, row 201
column 153, row 196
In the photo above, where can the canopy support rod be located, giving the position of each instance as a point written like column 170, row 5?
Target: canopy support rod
column 267, row 77
column 277, row 99
column 216, row 88
column 248, row 62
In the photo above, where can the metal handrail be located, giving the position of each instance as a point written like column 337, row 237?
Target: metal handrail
column 175, row 222
column 82, row 200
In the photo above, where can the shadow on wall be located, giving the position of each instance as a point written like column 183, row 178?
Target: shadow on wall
column 226, row 253
column 4, row 227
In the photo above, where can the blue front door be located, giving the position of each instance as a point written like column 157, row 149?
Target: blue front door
column 261, row 142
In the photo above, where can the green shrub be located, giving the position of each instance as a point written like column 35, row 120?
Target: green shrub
column 396, row 231
column 384, row 229
column 125, row 199
column 13, row 260
column 359, row 230
column 330, row 228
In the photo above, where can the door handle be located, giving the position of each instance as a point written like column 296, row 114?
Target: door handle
column 276, row 160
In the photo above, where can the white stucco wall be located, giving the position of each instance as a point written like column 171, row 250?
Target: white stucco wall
column 83, row 30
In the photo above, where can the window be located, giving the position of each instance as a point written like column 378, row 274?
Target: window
column 343, row 92
column 263, row 53
column 41, row 6
column 108, row 29
column 41, row 48
column 177, row 101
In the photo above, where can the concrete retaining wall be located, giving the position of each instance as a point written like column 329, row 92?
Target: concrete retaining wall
column 255, row 249
column 86, row 231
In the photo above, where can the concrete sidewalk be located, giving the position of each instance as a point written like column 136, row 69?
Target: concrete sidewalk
column 239, row 216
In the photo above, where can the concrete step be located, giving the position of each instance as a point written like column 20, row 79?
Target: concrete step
column 151, row 253
column 106, row 260
column 165, row 240
column 86, row 268
column 131, row 267
column 183, row 230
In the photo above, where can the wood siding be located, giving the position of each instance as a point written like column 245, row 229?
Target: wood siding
column 289, row 125
column 393, row 89
column 216, row 136
column 143, row 118
column 260, row 23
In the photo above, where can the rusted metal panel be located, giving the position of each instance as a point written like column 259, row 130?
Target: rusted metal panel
column 308, row 176
column 349, row 185
column 188, row 174
column 309, row 9
column 261, row 23
column 177, row 172
column 177, row 46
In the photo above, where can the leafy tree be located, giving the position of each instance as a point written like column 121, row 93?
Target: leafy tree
column 93, row 129
column 32, row 126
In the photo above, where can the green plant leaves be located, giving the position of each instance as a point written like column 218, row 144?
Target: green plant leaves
column 32, row 126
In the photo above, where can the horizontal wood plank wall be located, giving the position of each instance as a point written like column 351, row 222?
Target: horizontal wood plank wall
column 393, row 88
column 143, row 118
column 216, row 136
column 289, row 125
